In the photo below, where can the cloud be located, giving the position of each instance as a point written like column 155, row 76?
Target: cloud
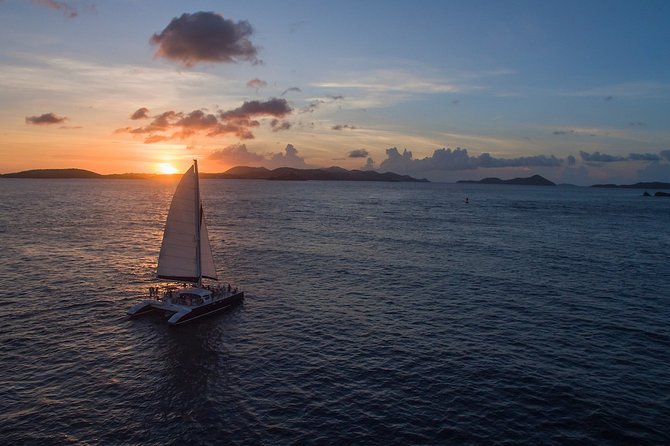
column 238, row 154
column 598, row 157
column 278, row 126
column 486, row 160
column 312, row 106
column 571, row 160
column 316, row 103
column 296, row 89
column 458, row 159
column 644, row 157
column 257, row 83
column 45, row 119
column 359, row 153
column 624, row 90
column 369, row 165
column 289, row 158
column 274, row 107
column 655, row 171
column 342, row 127
column 174, row 125
column 205, row 37
column 66, row 8
column 141, row 113
column 581, row 132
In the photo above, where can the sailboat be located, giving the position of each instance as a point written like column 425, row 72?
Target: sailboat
column 186, row 256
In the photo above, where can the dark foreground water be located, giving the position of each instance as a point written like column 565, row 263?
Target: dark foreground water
column 375, row 314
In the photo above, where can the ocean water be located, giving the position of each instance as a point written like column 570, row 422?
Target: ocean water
column 375, row 313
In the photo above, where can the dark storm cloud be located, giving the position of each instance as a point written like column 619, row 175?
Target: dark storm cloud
column 359, row 153
column 205, row 37
column 342, row 127
column 141, row 113
column 45, row 119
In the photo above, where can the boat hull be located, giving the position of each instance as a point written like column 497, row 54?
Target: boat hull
column 207, row 309
column 181, row 314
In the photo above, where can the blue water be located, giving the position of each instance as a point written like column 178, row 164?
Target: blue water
column 376, row 313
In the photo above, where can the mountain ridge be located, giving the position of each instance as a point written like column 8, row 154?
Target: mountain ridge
column 239, row 172
column 535, row 180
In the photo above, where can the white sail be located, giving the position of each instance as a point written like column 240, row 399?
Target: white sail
column 208, row 269
column 178, row 259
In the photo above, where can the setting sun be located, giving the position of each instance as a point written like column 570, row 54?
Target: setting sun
column 166, row 168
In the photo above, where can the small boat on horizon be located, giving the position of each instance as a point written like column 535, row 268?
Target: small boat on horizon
column 186, row 256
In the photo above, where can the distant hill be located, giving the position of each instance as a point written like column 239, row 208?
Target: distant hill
column 535, row 180
column 53, row 173
column 649, row 185
column 327, row 174
column 240, row 172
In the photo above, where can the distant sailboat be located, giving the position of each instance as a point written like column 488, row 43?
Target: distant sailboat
column 186, row 256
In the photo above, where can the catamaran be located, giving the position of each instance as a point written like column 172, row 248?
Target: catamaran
column 186, row 256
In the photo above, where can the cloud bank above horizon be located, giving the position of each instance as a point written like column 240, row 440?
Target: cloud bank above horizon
column 179, row 83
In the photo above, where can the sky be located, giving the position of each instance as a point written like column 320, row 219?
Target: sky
column 576, row 91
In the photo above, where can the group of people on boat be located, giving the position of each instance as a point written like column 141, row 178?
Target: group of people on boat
column 171, row 294
column 220, row 290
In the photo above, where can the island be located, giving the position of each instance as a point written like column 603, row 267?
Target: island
column 647, row 185
column 236, row 173
column 535, row 180
column 326, row 174
column 53, row 173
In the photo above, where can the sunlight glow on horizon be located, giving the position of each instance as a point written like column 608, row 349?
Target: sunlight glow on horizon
column 166, row 168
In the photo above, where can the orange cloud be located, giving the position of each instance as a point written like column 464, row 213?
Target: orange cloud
column 173, row 125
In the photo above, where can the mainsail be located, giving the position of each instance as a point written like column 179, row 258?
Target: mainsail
column 181, row 258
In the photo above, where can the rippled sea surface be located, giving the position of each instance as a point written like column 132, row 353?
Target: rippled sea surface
column 375, row 313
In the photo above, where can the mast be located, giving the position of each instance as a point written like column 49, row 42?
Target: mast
column 198, row 215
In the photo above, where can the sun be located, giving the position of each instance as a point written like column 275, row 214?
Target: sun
column 166, row 168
